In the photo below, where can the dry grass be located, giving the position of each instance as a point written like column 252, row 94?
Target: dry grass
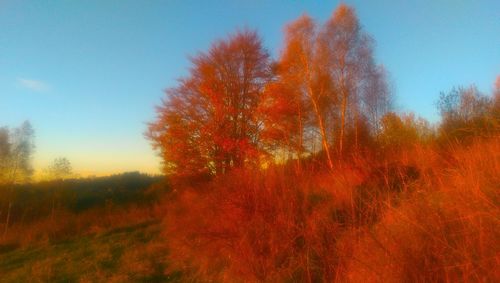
column 447, row 231
column 419, row 216
column 64, row 225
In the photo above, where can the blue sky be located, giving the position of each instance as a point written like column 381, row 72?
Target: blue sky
column 87, row 74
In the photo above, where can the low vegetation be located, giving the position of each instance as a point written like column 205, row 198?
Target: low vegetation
column 100, row 229
column 381, row 221
column 387, row 221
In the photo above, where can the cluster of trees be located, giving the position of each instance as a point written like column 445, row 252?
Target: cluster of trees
column 325, row 93
column 467, row 113
column 16, row 150
column 17, row 146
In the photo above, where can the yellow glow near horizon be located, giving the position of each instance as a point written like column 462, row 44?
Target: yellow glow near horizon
column 86, row 164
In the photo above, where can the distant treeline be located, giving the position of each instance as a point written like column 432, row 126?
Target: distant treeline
column 31, row 201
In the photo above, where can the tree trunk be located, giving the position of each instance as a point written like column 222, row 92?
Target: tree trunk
column 342, row 124
column 7, row 220
column 356, row 125
column 323, row 133
column 53, row 208
column 318, row 116
column 301, row 138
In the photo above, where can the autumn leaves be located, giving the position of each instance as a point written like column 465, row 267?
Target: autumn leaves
column 208, row 124
column 238, row 107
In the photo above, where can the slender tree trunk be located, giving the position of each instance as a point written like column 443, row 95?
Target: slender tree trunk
column 12, row 181
column 318, row 115
column 323, row 133
column 342, row 124
column 356, row 125
column 301, row 138
column 7, row 220
column 345, row 94
column 53, row 208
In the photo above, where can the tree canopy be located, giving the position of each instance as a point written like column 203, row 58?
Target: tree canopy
column 208, row 123
column 236, row 106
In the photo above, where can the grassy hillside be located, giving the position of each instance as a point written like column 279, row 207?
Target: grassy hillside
column 424, row 214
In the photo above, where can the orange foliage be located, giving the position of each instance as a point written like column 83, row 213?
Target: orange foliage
column 388, row 221
column 208, row 124
column 235, row 106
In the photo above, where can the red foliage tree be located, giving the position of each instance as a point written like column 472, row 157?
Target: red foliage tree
column 208, row 123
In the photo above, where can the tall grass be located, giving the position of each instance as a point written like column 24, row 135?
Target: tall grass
column 421, row 215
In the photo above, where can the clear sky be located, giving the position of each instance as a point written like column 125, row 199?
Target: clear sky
column 87, row 74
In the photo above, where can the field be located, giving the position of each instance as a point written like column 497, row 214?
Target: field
column 130, row 253
column 102, row 230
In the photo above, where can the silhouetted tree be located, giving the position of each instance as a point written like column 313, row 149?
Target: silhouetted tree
column 59, row 169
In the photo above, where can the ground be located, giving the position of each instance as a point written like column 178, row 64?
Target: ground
column 133, row 253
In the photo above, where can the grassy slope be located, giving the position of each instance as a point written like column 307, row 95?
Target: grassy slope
column 132, row 253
